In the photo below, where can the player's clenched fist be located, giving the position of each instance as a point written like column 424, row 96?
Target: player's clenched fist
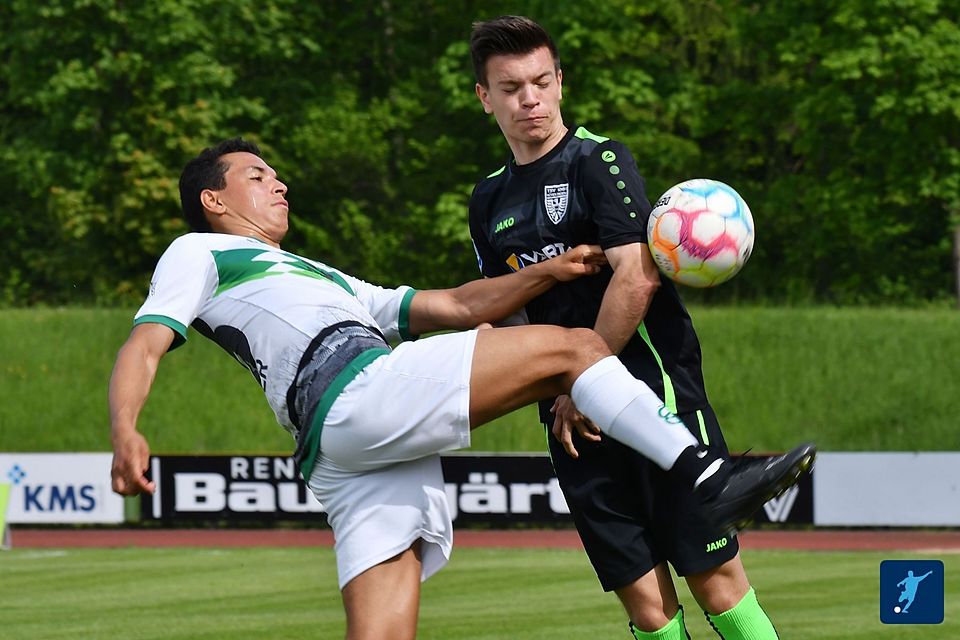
column 131, row 459
column 584, row 259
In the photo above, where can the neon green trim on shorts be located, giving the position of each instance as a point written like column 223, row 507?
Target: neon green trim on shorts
column 669, row 395
column 352, row 370
column 703, row 428
column 546, row 441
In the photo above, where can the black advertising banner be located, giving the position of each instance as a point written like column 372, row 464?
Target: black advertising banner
column 503, row 490
column 493, row 490
column 257, row 488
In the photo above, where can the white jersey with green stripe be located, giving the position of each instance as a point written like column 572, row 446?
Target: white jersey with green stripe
column 263, row 305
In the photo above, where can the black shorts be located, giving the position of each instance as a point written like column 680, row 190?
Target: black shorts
column 631, row 515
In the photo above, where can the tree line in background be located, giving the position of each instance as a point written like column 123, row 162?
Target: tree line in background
column 838, row 122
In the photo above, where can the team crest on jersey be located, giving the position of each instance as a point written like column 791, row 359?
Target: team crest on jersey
column 555, row 201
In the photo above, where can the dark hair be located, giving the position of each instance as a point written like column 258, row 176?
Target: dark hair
column 207, row 171
column 507, row 35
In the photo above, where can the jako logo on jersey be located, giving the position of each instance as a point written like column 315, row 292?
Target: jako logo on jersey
column 504, row 224
column 516, row 262
column 555, row 201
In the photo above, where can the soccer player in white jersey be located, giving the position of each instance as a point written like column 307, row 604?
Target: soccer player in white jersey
column 370, row 418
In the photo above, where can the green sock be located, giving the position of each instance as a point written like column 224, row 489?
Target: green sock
column 673, row 630
column 746, row 621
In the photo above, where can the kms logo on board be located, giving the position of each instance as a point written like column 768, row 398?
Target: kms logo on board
column 52, row 498
column 46, row 498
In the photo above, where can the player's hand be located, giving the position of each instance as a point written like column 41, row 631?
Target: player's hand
column 567, row 420
column 582, row 260
column 131, row 459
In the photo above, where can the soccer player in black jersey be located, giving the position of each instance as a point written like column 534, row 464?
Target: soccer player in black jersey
column 565, row 186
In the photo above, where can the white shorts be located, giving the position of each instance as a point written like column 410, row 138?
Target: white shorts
column 408, row 404
column 378, row 473
column 377, row 514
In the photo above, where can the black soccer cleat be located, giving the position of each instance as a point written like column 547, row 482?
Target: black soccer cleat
column 752, row 482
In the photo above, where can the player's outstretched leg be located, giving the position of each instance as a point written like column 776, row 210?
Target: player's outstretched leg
column 515, row 366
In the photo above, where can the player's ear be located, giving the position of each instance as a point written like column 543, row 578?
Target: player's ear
column 210, row 200
column 560, row 82
column 484, row 96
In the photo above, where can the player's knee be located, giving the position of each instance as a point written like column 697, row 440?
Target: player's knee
column 720, row 589
column 718, row 602
column 381, row 630
column 587, row 346
column 650, row 602
column 649, row 618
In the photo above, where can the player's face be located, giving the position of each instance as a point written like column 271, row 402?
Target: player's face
column 253, row 201
column 524, row 93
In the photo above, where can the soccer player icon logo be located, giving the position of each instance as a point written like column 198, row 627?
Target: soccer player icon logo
column 909, row 585
column 911, row 592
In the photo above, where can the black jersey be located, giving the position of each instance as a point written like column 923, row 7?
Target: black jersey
column 587, row 190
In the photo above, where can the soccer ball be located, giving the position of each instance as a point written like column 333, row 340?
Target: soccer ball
column 700, row 232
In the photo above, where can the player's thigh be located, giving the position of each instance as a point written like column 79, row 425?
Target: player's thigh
column 411, row 403
column 383, row 601
column 377, row 514
column 608, row 492
column 515, row 366
column 690, row 541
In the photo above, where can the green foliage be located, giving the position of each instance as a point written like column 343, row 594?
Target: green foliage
column 866, row 105
column 837, row 122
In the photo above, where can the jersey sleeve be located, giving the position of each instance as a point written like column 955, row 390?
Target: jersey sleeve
column 184, row 278
column 487, row 259
column 617, row 195
column 389, row 307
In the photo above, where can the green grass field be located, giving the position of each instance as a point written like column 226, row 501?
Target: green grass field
column 493, row 594
column 851, row 379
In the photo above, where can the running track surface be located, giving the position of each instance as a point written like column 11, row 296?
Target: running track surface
column 828, row 540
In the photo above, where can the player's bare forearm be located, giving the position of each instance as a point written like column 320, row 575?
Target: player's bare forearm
column 130, row 383
column 492, row 299
column 129, row 387
column 625, row 302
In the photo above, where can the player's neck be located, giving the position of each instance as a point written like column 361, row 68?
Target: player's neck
column 526, row 152
column 246, row 231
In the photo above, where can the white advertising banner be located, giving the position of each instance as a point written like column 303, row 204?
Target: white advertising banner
column 60, row 488
column 887, row 489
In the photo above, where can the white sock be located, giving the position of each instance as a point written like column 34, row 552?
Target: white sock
column 627, row 410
